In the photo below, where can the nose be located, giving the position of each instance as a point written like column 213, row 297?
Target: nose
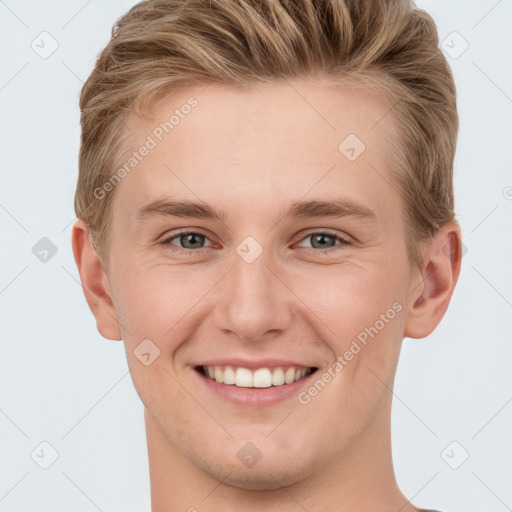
column 253, row 301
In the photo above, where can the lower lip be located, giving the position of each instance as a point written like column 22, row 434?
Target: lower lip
column 255, row 397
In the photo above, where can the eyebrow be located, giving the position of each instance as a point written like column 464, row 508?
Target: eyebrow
column 302, row 210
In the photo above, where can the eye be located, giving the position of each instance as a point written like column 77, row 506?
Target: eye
column 188, row 240
column 326, row 241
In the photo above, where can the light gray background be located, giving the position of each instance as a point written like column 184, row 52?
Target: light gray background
column 63, row 384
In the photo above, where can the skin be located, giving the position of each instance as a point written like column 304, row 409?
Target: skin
column 253, row 154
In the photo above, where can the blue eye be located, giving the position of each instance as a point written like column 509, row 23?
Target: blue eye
column 190, row 241
column 323, row 239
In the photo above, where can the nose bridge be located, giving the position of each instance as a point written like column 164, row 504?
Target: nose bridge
column 252, row 299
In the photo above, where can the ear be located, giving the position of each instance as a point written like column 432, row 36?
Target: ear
column 94, row 282
column 439, row 275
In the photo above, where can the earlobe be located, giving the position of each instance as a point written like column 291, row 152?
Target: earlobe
column 440, row 272
column 94, row 282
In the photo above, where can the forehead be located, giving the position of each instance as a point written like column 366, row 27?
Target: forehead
column 297, row 137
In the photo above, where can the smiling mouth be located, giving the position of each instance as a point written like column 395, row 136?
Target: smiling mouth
column 241, row 377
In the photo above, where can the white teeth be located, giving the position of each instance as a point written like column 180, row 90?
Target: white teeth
column 260, row 378
column 243, row 377
column 219, row 375
column 278, row 377
column 289, row 376
column 229, row 375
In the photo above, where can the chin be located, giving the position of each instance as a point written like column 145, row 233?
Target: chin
column 268, row 473
column 263, row 479
column 256, row 484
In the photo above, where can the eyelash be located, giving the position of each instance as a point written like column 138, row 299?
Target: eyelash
column 332, row 234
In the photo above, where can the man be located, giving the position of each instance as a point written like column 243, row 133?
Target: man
column 265, row 211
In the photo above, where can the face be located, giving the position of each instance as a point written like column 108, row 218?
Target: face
column 295, row 257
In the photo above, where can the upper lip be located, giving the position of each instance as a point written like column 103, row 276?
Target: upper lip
column 252, row 363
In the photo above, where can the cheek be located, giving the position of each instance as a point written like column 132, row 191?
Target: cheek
column 347, row 299
column 155, row 303
column 360, row 314
column 155, row 299
column 361, row 320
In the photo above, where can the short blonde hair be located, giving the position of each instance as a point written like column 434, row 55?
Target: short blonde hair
column 390, row 46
